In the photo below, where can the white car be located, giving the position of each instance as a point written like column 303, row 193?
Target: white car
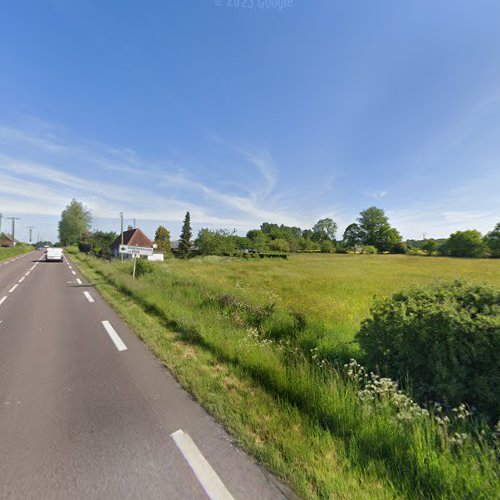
column 54, row 254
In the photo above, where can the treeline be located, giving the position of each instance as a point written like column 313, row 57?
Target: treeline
column 370, row 234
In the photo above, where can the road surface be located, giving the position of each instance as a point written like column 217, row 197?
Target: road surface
column 86, row 411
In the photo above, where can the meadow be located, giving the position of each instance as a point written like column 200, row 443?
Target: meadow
column 264, row 346
column 333, row 293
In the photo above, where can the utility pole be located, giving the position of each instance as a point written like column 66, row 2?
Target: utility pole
column 1, row 217
column 13, row 219
column 134, row 223
column 31, row 231
column 121, row 219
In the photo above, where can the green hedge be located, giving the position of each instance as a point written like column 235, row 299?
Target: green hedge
column 444, row 340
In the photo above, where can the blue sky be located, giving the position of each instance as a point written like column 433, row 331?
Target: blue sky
column 244, row 115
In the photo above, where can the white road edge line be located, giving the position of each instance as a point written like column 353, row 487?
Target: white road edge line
column 208, row 478
column 79, row 281
column 22, row 279
column 89, row 297
column 2, row 300
column 73, row 272
column 13, row 288
column 114, row 336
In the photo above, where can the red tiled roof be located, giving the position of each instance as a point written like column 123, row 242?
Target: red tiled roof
column 133, row 237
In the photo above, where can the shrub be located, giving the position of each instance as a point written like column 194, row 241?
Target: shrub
column 466, row 244
column 368, row 249
column 279, row 245
column 444, row 340
column 327, row 246
column 143, row 266
column 399, row 247
column 492, row 240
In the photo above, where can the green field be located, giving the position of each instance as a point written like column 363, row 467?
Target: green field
column 333, row 292
column 246, row 339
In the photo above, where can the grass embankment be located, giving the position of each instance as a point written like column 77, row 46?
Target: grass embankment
column 241, row 352
column 7, row 253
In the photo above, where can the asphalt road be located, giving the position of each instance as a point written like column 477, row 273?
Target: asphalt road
column 86, row 411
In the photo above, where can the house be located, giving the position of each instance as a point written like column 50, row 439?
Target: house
column 6, row 240
column 131, row 237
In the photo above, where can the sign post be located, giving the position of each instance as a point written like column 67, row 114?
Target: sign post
column 136, row 252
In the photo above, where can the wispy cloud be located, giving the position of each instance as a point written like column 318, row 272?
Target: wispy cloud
column 377, row 195
column 36, row 179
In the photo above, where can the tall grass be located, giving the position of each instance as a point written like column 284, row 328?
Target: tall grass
column 276, row 347
column 7, row 253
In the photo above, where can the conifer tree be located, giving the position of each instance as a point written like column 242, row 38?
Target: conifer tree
column 185, row 242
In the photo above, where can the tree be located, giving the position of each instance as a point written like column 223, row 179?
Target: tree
column 279, row 245
column 219, row 242
column 75, row 220
column 162, row 239
column 375, row 229
column 324, row 229
column 430, row 246
column 101, row 243
column 260, row 240
column 492, row 240
column 352, row 236
column 185, row 242
column 466, row 244
column 327, row 246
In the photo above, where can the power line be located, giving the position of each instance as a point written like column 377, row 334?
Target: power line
column 31, row 231
column 13, row 219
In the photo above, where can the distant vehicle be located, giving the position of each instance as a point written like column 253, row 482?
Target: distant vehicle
column 39, row 248
column 54, row 254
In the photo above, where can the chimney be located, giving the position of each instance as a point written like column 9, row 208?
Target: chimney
column 129, row 228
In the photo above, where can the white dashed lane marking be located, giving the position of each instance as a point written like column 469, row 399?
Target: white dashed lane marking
column 88, row 297
column 2, row 300
column 208, row 478
column 114, row 336
column 13, row 288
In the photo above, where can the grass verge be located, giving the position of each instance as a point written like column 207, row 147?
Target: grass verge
column 8, row 253
column 306, row 424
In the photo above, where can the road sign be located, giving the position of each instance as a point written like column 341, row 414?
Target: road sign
column 130, row 250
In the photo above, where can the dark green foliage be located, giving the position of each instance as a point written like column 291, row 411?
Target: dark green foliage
column 259, row 241
column 399, row 247
column 97, row 243
column 142, row 267
column 327, row 246
column 324, row 229
column 219, row 242
column 352, row 236
column 492, row 240
column 375, row 229
column 466, row 244
column 75, row 220
column 368, row 249
column 162, row 240
column 279, row 245
column 185, row 242
column 444, row 339
column 430, row 246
